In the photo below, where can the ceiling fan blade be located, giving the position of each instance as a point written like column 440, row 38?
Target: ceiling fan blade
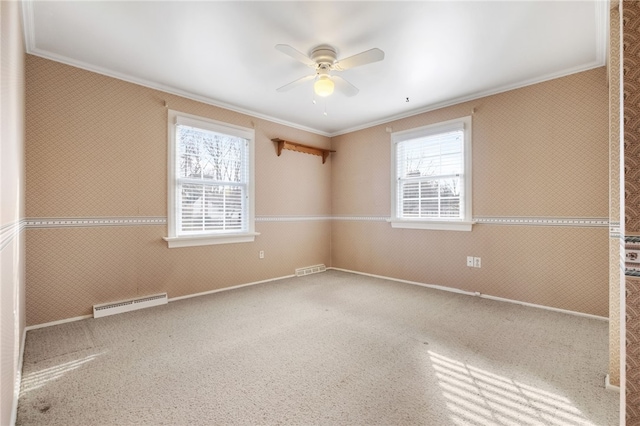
column 344, row 86
column 295, row 83
column 298, row 56
column 363, row 58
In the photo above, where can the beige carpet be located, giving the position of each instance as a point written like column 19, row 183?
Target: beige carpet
column 332, row 348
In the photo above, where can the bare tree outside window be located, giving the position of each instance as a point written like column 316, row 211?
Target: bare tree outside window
column 430, row 176
column 212, row 182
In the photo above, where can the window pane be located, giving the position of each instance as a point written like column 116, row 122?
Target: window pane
column 211, row 207
column 410, row 190
column 410, row 208
column 450, row 187
column 450, row 207
column 429, row 189
column 429, row 208
column 208, row 155
column 430, row 170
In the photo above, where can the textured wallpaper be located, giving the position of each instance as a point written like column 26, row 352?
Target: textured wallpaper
column 614, row 197
column 540, row 155
column 631, row 88
column 96, row 190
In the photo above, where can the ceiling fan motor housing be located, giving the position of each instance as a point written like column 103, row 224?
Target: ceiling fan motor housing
column 324, row 54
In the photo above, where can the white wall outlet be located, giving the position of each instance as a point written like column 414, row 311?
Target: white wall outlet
column 476, row 262
column 261, row 254
column 470, row 261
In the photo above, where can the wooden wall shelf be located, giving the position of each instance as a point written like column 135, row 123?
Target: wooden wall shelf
column 293, row 146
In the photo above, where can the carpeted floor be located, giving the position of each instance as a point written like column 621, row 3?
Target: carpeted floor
column 332, row 348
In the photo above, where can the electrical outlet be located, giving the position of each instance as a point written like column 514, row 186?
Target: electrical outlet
column 261, row 254
column 476, row 262
column 470, row 261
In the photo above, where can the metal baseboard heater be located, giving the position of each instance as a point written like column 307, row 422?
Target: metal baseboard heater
column 106, row 309
column 310, row 270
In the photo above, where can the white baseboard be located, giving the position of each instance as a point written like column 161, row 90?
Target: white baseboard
column 609, row 386
column 172, row 299
column 18, row 379
column 52, row 323
column 204, row 293
column 476, row 294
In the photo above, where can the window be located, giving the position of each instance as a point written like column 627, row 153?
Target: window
column 431, row 176
column 211, row 192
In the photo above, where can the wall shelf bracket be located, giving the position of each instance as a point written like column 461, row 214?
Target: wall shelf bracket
column 293, row 146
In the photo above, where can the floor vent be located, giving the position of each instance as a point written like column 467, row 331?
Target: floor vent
column 300, row 272
column 106, row 309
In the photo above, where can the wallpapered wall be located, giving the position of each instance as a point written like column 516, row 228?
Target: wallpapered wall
column 97, row 148
column 631, row 88
column 539, row 152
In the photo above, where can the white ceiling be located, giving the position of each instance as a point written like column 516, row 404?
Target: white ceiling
column 436, row 52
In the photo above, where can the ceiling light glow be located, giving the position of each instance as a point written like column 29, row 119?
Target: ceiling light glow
column 323, row 86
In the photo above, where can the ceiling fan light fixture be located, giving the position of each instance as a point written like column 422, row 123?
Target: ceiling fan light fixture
column 323, row 86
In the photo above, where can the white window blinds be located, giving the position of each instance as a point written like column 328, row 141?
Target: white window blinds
column 211, row 181
column 430, row 171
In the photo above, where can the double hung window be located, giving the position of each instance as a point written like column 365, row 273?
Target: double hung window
column 210, row 182
column 431, row 176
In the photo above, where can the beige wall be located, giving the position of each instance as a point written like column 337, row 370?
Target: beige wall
column 12, row 310
column 97, row 147
column 539, row 151
column 631, row 204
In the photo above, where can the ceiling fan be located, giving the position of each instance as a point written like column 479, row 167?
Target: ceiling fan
column 323, row 59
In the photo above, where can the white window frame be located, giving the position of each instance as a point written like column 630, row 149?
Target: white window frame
column 175, row 238
column 464, row 223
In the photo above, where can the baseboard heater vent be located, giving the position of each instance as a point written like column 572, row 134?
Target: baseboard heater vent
column 300, row 272
column 106, row 309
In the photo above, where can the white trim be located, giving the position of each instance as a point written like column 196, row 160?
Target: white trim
column 174, row 239
column 169, row 90
column 602, row 38
column 10, row 231
column 171, row 299
column 58, row 322
column 471, row 97
column 548, row 308
column 18, row 382
column 476, row 294
column 465, row 221
column 384, row 277
column 207, row 240
column 218, row 290
column 609, row 386
column 292, row 218
column 362, row 218
column 434, row 224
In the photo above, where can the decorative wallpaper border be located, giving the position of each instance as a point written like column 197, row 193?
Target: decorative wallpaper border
column 632, row 255
column 545, row 221
column 614, row 230
column 65, row 222
column 9, row 231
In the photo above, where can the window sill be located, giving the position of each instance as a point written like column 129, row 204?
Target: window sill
column 192, row 241
column 435, row 225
